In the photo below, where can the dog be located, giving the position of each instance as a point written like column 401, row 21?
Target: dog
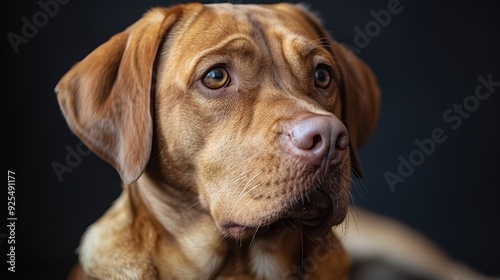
column 235, row 131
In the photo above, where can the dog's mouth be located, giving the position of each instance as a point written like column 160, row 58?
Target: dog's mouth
column 312, row 199
column 315, row 214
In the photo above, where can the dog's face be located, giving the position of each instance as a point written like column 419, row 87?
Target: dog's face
column 248, row 108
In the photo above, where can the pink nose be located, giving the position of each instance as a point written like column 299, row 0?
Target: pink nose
column 320, row 140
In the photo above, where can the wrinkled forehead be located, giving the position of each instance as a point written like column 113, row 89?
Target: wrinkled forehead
column 257, row 23
column 278, row 18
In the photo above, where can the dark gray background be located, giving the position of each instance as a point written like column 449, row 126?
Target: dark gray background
column 426, row 59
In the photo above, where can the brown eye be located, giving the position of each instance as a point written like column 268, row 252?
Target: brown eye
column 216, row 78
column 322, row 77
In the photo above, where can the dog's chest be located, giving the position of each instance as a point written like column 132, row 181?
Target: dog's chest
column 258, row 261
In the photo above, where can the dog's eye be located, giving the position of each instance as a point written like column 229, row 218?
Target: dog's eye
column 322, row 77
column 216, row 78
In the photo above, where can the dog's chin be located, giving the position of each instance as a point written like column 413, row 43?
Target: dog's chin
column 315, row 217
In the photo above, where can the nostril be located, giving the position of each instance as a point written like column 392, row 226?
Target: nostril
column 316, row 142
column 342, row 141
column 307, row 142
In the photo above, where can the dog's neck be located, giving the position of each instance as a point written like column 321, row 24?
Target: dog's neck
column 188, row 238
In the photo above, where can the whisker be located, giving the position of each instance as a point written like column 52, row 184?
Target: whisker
column 233, row 182
column 253, row 236
column 282, row 235
column 155, row 156
column 250, row 200
column 243, row 193
column 235, row 186
column 190, row 207
column 302, row 250
column 229, row 184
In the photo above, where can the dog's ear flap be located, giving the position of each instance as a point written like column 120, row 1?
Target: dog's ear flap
column 106, row 97
column 360, row 95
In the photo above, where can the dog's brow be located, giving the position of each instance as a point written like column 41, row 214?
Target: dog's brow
column 241, row 42
column 307, row 47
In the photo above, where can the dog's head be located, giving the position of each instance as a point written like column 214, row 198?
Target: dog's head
column 253, row 109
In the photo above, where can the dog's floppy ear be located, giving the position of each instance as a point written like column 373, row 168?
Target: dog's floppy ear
column 106, row 97
column 360, row 95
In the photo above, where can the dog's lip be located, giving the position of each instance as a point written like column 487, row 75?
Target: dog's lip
column 309, row 215
column 313, row 217
column 240, row 232
column 315, row 226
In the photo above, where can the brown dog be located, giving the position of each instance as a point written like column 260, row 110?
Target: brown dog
column 227, row 126
column 234, row 129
